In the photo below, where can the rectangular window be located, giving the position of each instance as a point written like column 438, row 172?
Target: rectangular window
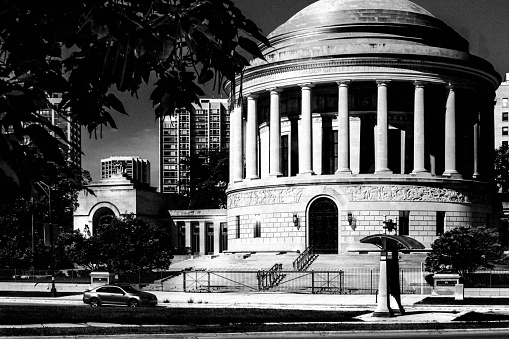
column 505, row 143
column 237, row 227
column 505, row 116
column 257, row 227
column 403, row 222
column 440, row 222
column 505, row 130
column 505, row 102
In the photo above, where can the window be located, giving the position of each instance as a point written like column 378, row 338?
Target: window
column 237, row 226
column 505, row 116
column 505, row 130
column 440, row 222
column 505, row 102
column 403, row 222
column 257, row 227
column 505, row 143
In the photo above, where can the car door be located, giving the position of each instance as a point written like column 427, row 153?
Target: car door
column 105, row 295
column 117, row 295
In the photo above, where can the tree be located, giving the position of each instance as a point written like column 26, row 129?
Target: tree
column 463, row 250
column 88, row 50
column 122, row 245
column 18, row 216
column 502, row 168
column 208, row 181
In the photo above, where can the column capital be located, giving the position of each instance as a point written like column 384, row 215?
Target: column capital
column 252, row 96
column 344, row 83
column 420, row 83
column 451, row 87
column 306, row 85
column 382, row 82
column 275, row 90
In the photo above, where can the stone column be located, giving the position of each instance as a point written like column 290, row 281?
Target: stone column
column 217, row 236
column 343, row 129
column 188, row 233
column 381, row 149
column 275, row 134
column 450, row 133
column 355, row 144
column 319, row 125
column 305, row 133
column 236, row 144
column 419, row 128
column 251, row 139
column 203, row 237
column 476, row 148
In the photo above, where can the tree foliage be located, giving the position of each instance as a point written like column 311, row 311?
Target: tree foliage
column 502, row 168
column 18, row 216
column 87, row 50
column 208, row 181
column 464, row 249
column 123, row 244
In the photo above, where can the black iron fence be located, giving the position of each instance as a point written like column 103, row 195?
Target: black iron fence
column 347, row 281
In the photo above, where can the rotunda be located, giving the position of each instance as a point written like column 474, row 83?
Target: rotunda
column 362, row 111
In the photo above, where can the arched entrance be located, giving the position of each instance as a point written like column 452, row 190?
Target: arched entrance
column 323, row 226
column 101, row 212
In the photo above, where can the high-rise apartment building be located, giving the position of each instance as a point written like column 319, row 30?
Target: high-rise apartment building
column 71, row 129
column 136, row 168
column 502, row 113
column 190, row 133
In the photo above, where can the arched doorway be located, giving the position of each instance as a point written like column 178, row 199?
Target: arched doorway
column 101, row 212
column 323, row 226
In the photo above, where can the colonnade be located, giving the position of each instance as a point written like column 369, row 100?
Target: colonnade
column 305, row 133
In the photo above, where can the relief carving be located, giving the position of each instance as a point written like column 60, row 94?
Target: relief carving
column 412, row 193
column 265, row 197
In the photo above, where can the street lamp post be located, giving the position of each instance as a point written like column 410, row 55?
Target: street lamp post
column 44, row 187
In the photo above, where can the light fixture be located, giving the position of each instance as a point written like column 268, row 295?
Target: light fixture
column 350, row 218
column 296, row 220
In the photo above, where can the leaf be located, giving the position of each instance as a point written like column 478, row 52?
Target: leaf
column 251, row 47
column 116, row 104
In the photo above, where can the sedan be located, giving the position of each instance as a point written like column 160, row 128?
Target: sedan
column 118, row 295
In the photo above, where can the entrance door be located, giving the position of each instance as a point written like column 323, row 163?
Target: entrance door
column 323, row 226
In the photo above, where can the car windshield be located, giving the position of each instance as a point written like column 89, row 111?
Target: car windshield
column 130, row 289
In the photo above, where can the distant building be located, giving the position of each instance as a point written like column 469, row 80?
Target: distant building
column 135, row 168
column 71, row 129
column 190, row 133
column 502, row 113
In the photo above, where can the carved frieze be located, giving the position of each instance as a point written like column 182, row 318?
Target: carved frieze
column 414, row 193
column 265, row 197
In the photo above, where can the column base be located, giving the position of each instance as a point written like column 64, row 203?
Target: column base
column 277, row 174
column 305, row 174
column 343, row 172
column 419, row 170
column 383, row 171
column 452, row 174
column 252, row 178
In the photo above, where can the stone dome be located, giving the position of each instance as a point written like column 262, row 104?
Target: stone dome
column 348, row 27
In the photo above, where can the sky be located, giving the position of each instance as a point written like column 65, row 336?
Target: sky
column 484, row 23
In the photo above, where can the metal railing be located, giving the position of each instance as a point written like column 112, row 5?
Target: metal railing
column 348, row 281
column 305, row 259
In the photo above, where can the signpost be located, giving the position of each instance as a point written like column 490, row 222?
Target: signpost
column 388, row 283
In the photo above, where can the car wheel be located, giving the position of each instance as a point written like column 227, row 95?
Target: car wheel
column 94, row 302
column 133, row 303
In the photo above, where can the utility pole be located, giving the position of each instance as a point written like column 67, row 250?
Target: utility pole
column 47, row 187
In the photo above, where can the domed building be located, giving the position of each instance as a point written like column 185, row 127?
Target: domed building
column 363, row 111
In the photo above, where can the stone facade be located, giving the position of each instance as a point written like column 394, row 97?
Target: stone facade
column 350, row 121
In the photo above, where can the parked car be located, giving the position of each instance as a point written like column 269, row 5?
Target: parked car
column 118, row 295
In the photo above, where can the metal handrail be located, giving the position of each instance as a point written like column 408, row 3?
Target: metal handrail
column 304, row 258
column 270, row 278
